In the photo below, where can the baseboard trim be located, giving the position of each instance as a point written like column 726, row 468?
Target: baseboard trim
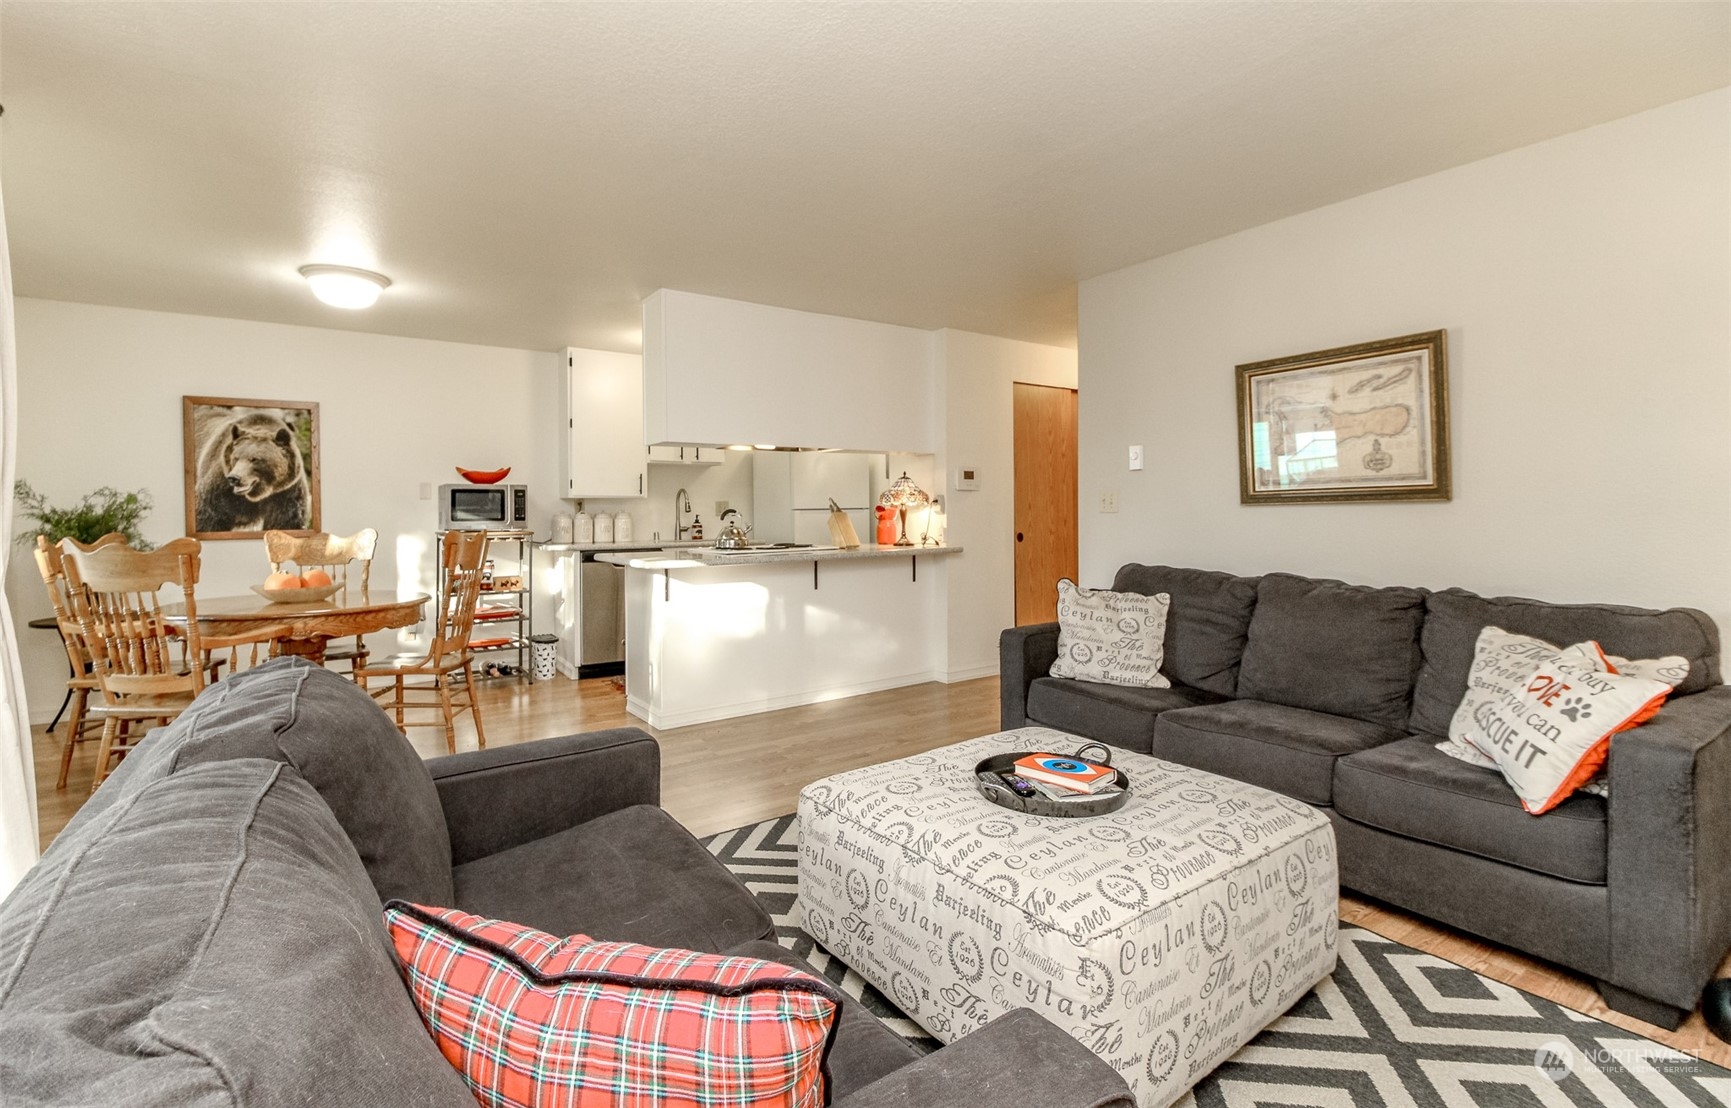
column 664, row 721
column 975, row 673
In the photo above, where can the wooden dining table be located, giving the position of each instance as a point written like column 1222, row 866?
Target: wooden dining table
column 305, row 626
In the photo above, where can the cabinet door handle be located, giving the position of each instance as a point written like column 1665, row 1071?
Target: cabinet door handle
column 640, row 484
column 1018, row 536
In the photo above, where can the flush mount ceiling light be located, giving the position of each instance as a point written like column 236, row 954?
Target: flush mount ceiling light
column 343, row 286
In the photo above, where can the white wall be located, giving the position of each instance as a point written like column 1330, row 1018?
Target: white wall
column 977, row 374
column 1585, row 283
column 99, row 404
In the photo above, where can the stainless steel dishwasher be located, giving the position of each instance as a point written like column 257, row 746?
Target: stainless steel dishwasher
column 601, row 600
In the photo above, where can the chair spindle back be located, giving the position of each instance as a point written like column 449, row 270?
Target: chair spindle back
column 334, row 554
column 116, row 595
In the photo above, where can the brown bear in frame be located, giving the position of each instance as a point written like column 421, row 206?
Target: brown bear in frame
column 250, row 473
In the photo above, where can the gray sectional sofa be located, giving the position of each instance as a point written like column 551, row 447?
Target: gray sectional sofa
column 208, row 929
column 1335, row 694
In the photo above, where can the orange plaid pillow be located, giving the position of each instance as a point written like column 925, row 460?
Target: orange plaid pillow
column 530, row 1019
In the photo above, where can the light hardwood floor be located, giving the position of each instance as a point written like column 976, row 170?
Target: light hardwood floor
column 716, row 776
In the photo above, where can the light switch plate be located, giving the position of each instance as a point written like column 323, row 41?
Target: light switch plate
column 426, row 490
column 1135, row 457
column 967, row 478
column 1109, row 501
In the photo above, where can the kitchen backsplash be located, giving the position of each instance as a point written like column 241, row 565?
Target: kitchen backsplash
column 730, row 483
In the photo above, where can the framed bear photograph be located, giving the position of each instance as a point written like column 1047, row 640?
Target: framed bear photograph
column 251, row 466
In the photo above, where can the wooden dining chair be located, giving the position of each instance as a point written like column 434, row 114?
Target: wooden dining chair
column 348, row 559
column 147, row 668
column 81, row 681
column 447, row 661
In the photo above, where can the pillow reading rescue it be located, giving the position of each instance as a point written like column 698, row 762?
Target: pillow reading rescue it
column 1546, row 715
column 1116, row 638
column 1671, row 669
column 1587, row 653
column 530, row 1019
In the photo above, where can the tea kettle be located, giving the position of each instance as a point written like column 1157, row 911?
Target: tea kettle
column 732, row 536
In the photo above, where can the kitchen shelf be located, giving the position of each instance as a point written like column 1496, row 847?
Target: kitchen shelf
column 516, row 618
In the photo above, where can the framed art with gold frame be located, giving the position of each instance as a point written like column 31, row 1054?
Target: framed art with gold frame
column 250, row 466
column 1368, row 422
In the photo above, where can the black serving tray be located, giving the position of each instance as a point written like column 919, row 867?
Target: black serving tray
column 994, row 790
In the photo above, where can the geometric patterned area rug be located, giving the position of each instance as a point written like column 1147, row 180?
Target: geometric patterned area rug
column 1392, row 1027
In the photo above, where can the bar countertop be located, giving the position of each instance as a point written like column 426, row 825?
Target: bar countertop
column 709, row 557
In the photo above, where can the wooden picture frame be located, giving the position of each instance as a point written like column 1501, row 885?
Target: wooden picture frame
column 1368, row 422
column 250, row 466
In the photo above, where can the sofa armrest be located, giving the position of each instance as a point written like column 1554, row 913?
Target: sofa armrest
column 505, row 796
column 1024, row 653
column 1020, row 1058
column 1670, row 836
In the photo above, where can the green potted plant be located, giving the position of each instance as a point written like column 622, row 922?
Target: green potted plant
column 95, row 515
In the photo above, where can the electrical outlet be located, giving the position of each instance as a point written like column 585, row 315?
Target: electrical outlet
column 1135, row 457
column 1109, row 501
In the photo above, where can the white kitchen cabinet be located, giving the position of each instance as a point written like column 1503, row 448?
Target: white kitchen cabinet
column 675, row 455
column 728, row 371
column 603, row 455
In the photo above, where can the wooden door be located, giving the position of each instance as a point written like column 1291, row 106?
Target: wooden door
column 1045, row 519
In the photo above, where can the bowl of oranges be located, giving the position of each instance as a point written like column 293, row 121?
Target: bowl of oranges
column 297, row 588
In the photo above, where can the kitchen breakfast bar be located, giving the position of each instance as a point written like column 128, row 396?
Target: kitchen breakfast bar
column 714, row 634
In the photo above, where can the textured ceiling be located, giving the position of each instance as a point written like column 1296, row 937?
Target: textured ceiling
column 526, row 173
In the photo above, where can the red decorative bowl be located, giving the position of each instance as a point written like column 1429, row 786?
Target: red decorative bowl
column 484, row 476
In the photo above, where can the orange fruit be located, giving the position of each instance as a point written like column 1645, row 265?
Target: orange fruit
column 283, row 581
column 315, row 579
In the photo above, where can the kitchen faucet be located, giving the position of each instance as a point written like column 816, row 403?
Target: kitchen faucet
column 681, row 505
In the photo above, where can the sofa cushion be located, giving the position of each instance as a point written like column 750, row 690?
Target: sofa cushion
column 1349, row 650
column 864, row 1049
column 633, row 876
column 339, row 740
column 1411, row 788
column 1288, row 750
column 530, row 1018
column 1454, row 618
column 210, row 939
column 1116, row 714
column 1205, row 625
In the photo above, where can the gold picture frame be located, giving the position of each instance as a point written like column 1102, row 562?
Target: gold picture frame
column 250, row 466
column 1368, row 422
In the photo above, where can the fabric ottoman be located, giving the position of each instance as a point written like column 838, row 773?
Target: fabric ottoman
column 1163, row 936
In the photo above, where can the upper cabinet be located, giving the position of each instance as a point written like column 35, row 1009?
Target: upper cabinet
column 603, row 455
column 727, row 371
column 670, row 454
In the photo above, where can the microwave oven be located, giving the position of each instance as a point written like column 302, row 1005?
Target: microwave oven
column 483, row 507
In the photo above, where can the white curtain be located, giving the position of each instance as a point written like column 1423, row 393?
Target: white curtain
column 17, row 765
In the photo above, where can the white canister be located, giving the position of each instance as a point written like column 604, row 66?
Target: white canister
column 584, row 528
column 603, row 527
column 564, row 529
column 622, row 527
